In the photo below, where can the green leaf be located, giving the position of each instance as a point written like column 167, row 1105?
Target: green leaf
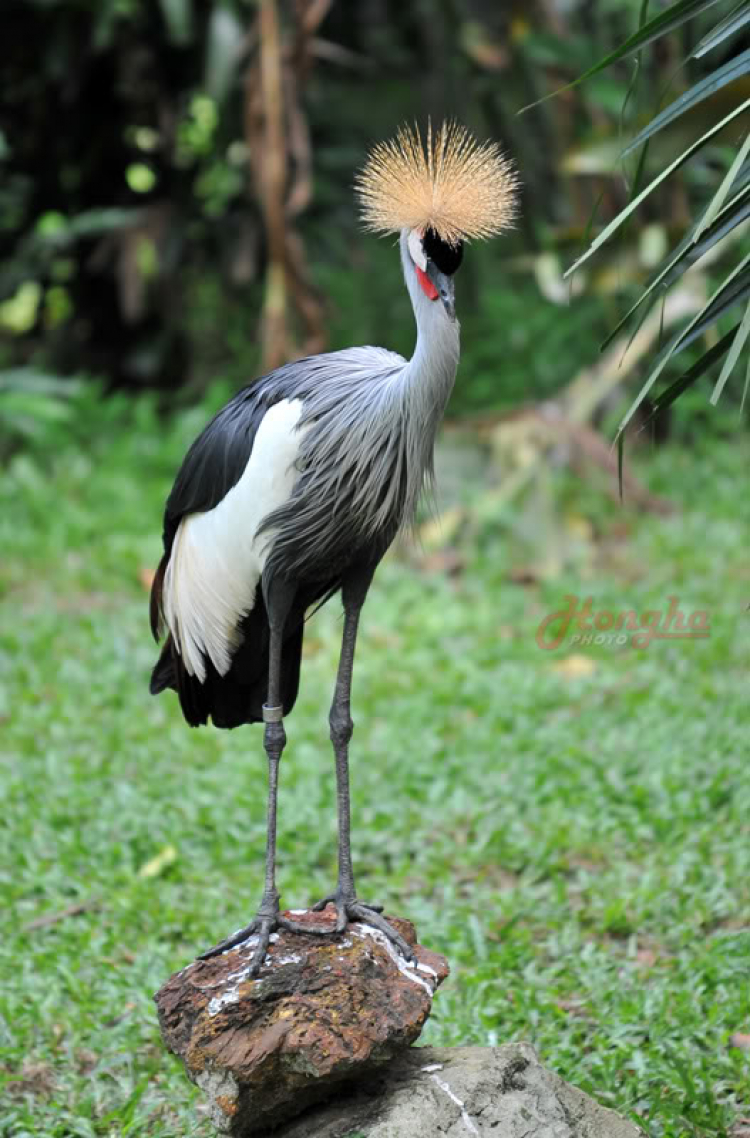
column 733, row 289
column 124, row 1113
column 743, row 177
column 633, row 205
column 156, row 865
column 223, row 52
column 723, row 300
column 642, row 18
column 708, row 86
column 178, row 17
column 744, row 389
column 31, row 407
column 717, row 201
column 725, row 28
column 726, row 297
column 739, row 341
column 688, row 378
column 672, row 18
column 92, row 222
column 30, row 381
column 687, row 253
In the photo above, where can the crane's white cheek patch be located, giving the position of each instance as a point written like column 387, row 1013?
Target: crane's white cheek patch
column 416, row 251
column 217, row 557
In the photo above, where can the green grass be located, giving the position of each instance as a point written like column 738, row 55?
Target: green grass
column 578, row 845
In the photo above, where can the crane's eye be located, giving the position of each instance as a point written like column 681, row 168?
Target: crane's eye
column 446, row 257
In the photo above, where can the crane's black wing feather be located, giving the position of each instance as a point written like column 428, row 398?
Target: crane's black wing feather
column 218, row 457
column 213, row 465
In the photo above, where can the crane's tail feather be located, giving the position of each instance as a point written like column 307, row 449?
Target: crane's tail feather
column 164, row 674
column 238, row 696
column 237, row 699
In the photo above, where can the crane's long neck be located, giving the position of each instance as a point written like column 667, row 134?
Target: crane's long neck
column 427, row 380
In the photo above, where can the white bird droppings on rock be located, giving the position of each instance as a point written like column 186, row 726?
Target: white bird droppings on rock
column 465, row 1117
column 231, row 993
column 363, row 930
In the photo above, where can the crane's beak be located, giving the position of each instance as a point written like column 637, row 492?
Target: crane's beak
column 444, row 285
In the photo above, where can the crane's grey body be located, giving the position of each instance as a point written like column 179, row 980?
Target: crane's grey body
column 295, row 490
column 353, row 454
column 372, row 418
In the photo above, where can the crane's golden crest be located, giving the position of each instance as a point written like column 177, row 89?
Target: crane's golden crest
column 452, row 184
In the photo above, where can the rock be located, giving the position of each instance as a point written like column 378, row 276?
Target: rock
column 324, row 1010
column 462, row 1092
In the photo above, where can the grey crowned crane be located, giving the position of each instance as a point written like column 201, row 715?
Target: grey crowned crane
column 296, row 489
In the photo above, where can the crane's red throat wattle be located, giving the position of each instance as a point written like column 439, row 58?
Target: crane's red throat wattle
column 428, row 287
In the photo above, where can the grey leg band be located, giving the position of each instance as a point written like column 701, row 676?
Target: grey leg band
column 272, row 714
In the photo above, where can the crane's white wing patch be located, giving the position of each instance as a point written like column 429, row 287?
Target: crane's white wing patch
column 217, row 557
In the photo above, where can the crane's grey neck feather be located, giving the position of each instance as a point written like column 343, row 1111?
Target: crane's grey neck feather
column 368, row 425
column 427, row 380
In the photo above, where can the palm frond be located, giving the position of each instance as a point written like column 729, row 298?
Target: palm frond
column 689, row 252
column 707, row 86
column 653, row 29
column 734, row 352
column 630, row 208
column 734, row 289
column 727, row 27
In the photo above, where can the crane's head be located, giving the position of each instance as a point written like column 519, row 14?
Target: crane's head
column 437, row 194
column 434, row 262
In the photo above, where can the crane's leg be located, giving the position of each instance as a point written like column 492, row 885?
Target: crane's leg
column 279, row 597
column 348, row 907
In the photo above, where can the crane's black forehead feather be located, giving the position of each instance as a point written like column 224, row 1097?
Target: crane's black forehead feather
column 447, row 257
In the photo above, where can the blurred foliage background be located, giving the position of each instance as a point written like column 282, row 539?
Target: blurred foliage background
column 176, row 198
column 176, row 215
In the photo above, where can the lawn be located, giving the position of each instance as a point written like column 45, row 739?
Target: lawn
column 571, row 827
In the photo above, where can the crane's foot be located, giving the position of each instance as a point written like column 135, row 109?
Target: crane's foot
column 350, row 908
column 260, row 926
column 267, row 921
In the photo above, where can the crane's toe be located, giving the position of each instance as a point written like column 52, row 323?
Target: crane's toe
column 350, row 908
column 262, row 927
column 259, row 932
column 371, row 916
column 333, row 899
